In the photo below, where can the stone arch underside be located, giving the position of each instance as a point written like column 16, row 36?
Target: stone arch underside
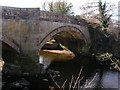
column 76, row 33
column 5, row 41
column 10, row 51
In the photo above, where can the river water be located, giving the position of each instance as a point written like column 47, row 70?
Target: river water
column 61, row 71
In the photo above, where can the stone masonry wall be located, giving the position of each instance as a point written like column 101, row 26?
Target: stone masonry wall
column 36, row 13
column 28, row 27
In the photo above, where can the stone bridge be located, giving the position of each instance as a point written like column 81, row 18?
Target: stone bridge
column 26, row 30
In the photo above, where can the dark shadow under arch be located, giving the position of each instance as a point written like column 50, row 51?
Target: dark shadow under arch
column 68, row 29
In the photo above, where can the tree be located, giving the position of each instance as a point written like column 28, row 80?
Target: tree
column 104, row 17
column 61, row 7
column 91, row 10
column 100, row 11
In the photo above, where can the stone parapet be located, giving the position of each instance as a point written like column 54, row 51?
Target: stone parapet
column 20, row 13
column 37, row 14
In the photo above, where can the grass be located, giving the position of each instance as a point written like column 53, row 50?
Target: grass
column 74, row 83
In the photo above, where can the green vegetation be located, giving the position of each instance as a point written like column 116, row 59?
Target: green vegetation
column 60, row 7
column 104, row 17
column 104, row 44
column 114, row 63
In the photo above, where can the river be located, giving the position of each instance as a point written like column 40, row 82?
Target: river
column 64, row 71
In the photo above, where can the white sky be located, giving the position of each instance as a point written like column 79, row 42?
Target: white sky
column 38, row 3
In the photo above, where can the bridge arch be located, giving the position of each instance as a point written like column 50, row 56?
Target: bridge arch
column 10, row 51
column 10, row 43
column 74, row 31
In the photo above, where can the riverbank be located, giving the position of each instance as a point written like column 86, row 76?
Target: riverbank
column 25, row 81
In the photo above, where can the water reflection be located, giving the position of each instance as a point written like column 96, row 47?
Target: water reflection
column 110, row 79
